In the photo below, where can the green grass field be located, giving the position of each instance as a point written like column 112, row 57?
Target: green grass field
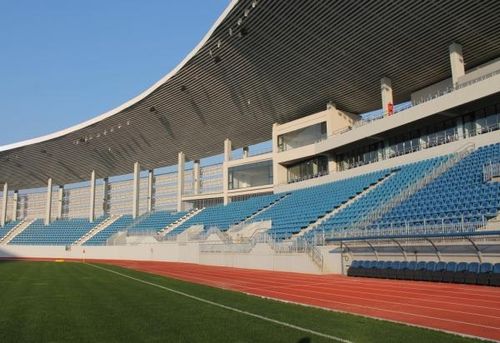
column 74, row 302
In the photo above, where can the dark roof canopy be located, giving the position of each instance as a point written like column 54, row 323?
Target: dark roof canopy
column 265, row 61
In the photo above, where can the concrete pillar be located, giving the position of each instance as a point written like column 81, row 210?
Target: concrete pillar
column 332, row 164
column 180, row 180
column 150, row 189
column 60, row 202
column 246, row 152
column 135, row 194
column 196, row 177
column 92, row 197
column 275, row 155
column 386, row 149
column 386, row 93
column 225, row 185
column 105, row 196
column 331, row 118
column 460, row 128
column 15, row 204
column 456, row 63
column 228, row 148
column 3, row 216
column 280, row 173
column 48, row 204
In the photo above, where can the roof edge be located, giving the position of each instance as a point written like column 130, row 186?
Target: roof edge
column 130, row 102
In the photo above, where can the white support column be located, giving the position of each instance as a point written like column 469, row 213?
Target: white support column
column 460, row 128
column 180, row 180
column 332, row 164
column 228, row 148
column 60, row 202
column 15, row 204
column 196, row 177
column 150, row 189
column 48, row 204
column 3, row 216
column 246, row 152
column 135, row 195
column 92, row 197
column 456, row 63
column 105, row 196
column 386, row 93
column 276, row 166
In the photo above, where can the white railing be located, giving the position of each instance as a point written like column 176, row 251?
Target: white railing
column 491, row 171
column 459, row 86
column 425, row 142
column 409, row 230
column 211, row 231
column 139, row 232
column 278, row 246
column 382, row 115
column 226, row 248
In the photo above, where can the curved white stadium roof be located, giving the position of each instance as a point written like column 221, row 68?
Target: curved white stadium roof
column 262, row 62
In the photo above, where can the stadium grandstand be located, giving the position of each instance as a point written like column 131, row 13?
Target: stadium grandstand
column 298, row 136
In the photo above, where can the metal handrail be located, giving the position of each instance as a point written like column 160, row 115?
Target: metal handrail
column 279, row 247
column 490, row 171
column 411, row 230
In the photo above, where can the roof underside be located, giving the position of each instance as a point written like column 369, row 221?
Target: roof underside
column 285, row 61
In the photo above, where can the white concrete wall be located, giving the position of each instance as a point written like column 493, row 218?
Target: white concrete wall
column 335, row 120
column 262, row 257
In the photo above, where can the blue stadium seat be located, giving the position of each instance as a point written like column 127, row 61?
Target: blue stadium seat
column 485, row 270
column 470, row 276
column 495, row 275
column 459, row 276
column 449, row 272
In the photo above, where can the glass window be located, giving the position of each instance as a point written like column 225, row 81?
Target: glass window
column 305, row 136
column 311, row 168
column 251, row 175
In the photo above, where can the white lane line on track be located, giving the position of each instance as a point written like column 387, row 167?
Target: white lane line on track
column 249, row 285
column 253, row 291
column 229, row 308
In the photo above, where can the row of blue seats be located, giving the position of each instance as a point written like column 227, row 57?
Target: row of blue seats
column 155, row 221
column 460, row 191
column 59, row 232
column 4, row 230
column 305, row 206
column 399, row 180
column 223, row 217
column 151, row 222
column 472, row 273
column 102, row 237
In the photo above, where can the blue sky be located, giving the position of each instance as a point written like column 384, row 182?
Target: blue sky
column 62, row 62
